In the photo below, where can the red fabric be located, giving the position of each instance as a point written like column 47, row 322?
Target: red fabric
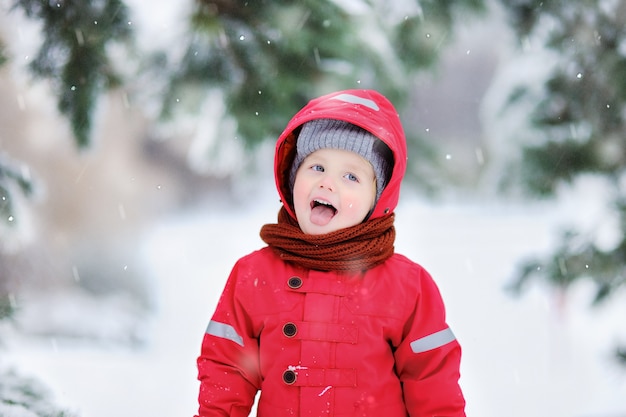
column 351, row 353
column 343, row 339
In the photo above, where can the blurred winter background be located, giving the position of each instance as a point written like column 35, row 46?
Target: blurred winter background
column 136, row 145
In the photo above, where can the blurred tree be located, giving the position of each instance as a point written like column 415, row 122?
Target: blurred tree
column 23, row 396
column 579, row 128
column 74, row 54
column 10, row 175
column 3, row 56
column 270, row 57
column 263, row 55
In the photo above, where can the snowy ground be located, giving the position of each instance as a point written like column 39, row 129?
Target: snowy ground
column 535, row 356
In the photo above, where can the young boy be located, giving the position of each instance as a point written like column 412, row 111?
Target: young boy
column 327, row 320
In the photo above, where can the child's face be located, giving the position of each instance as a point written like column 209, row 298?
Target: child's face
column 333, row 189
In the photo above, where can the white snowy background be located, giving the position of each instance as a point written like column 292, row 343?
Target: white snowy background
column 544, row 354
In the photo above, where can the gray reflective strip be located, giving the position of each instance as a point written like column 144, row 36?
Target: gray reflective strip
column 432, row 341
column 224, row 331
column 350, row 98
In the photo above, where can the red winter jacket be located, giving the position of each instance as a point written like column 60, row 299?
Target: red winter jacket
column 373, row 343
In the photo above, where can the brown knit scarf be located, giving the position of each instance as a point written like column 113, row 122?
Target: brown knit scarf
column 354, row 248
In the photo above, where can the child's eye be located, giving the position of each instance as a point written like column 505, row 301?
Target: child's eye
column 351, row 177
column 317, row 167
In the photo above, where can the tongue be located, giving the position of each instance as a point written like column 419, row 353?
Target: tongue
column 321, row 215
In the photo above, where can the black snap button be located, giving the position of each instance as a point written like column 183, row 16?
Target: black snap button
column 294, row 283
column 290, row 329
column 289, row 377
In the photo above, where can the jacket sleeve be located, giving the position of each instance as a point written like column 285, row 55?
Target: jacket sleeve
column 428, row 358
column 228, row 365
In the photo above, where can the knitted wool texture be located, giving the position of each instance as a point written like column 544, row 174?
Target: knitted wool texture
column 353, row 248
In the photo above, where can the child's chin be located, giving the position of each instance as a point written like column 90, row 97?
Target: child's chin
column 313, row 229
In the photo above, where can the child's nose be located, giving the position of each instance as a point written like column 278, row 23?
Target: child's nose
column 327, row 182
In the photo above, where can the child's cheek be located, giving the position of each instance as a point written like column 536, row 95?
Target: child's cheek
column 353, row 208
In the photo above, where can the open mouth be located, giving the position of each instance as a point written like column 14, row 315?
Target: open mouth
column 322, row 212
column 324, row 205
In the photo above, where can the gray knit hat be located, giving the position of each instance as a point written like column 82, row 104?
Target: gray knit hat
column 337, row 134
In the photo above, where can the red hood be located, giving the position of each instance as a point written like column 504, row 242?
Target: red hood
column 367, row 109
